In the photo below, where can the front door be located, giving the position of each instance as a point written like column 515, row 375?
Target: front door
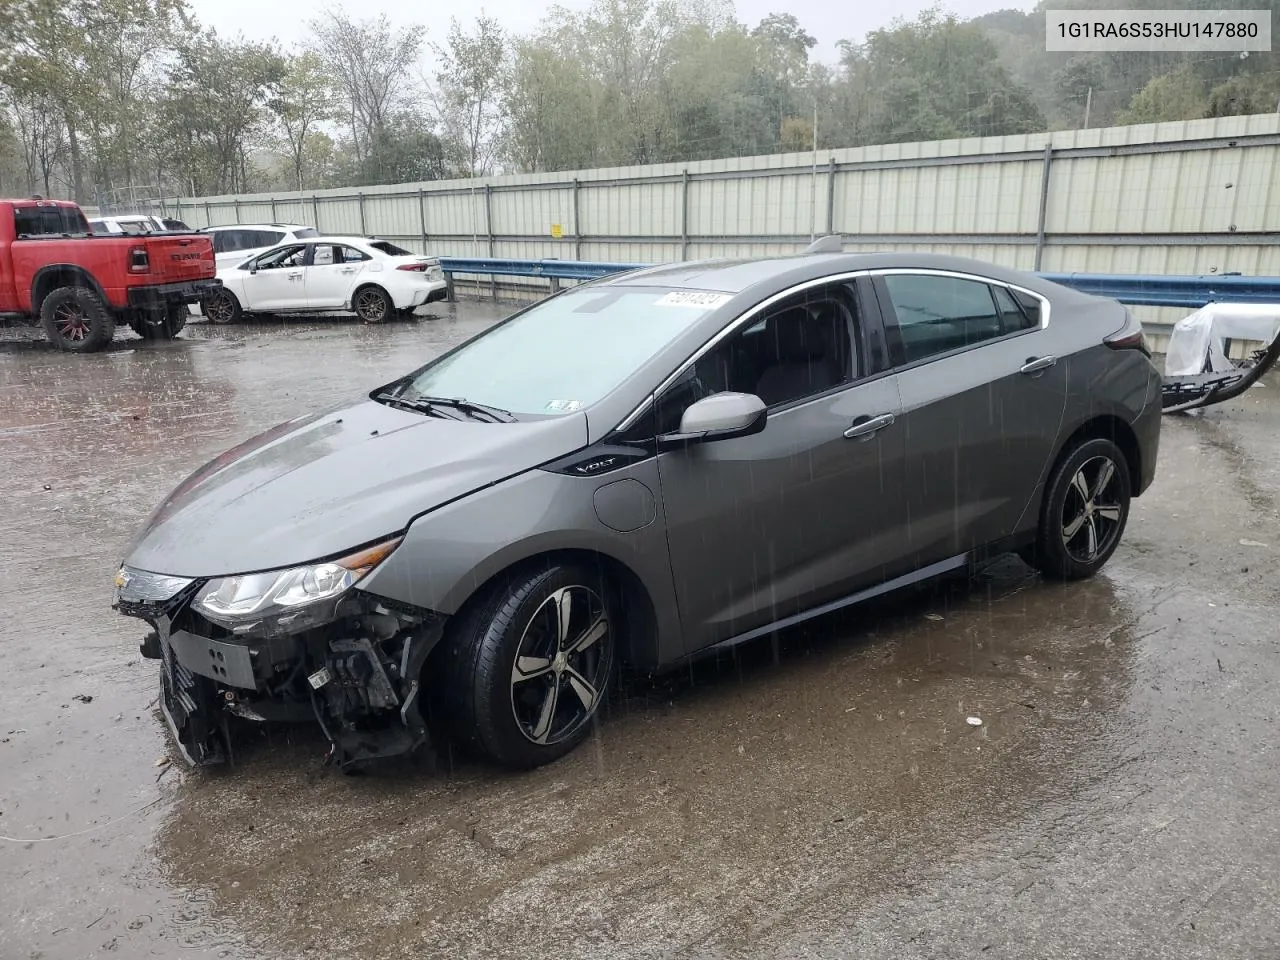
column 767, row 526
column 982, row 400
column 278, row 283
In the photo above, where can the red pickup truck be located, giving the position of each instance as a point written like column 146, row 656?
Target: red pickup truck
column 79, row 286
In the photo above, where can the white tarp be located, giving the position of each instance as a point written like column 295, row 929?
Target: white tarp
column 1196, row 345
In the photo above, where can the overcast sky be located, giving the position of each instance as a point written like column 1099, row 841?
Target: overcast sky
column 828, row 20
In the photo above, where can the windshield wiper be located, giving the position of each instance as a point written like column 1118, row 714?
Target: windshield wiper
column 415, row 404
column 429, row 405
column 479, row 411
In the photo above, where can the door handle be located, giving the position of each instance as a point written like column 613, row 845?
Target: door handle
column 866, row 428
column 1037, row 364
column 348, row 269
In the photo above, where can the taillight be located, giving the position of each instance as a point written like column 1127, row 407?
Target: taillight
column 139, row 262
column 1129, row 337
column 414, row 267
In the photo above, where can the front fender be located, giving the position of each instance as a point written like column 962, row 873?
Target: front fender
column 450, row 553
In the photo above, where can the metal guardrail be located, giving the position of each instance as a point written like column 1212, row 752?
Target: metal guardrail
column 1144, row 290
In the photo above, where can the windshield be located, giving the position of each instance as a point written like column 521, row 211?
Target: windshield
column 567, row 352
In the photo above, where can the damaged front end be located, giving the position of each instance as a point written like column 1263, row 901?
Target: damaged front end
column 286, row 646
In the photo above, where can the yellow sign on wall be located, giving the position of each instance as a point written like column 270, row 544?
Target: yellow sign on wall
column 557, row 231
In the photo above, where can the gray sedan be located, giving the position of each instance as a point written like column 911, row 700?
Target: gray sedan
column 637, row 471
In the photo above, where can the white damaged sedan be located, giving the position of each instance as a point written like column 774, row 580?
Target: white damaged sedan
column 372, row 278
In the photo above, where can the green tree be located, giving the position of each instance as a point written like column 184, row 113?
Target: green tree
column 304, row 100
column 216, row 105
column 934, row 78
column 550, row 105
column 781, row 68
column 469, row 86
column 1179, row 95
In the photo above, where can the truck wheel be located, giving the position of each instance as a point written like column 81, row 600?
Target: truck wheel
column 76, row 319
column 161, row 324
column 222, row 307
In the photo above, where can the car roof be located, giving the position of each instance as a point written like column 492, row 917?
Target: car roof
column 257, row 226
column 739, row 275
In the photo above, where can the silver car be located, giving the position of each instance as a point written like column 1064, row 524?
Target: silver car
column 634, row 472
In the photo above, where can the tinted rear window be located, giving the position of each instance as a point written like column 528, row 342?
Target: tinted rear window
column 306, row 232
column 49, row 222
column 391, row 249
column 175, row 225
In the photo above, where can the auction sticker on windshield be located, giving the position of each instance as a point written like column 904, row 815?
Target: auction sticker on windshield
column 702, row 299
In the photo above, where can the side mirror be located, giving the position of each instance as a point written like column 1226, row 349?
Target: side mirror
column 253, row 268
column 720, row 416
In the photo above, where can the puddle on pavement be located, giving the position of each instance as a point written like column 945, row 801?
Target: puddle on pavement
column 709, row 804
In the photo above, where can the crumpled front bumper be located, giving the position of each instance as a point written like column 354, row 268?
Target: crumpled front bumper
column 358, row 675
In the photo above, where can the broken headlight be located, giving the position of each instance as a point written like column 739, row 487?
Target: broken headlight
column 244, row 601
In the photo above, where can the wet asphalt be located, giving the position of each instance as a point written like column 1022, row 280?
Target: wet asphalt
column 821, row 795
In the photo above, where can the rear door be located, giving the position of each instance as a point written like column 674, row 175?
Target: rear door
column 332, row 276
column 768, row 526
column 982, row 403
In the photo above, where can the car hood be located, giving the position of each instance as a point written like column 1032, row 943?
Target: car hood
column 320, row 485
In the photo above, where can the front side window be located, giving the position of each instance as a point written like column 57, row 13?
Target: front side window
column 565, row 353
column 284, row 257
column 939, row 314
column 800, row 347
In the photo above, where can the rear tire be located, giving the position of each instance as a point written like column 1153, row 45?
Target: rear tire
column 221, row 308
column 161, row 324
column 526, row 669
column 76, row 320
column 373, row 305
column 1086, row 508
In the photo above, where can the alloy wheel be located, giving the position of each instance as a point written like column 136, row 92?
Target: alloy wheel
column 1091, row 512
column 562, row 665
column 219, row 309
column 371, row 306
column 71, row 321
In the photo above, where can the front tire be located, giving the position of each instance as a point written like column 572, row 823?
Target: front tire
column 527, row 669
column 76, row 320
column 1085, row 510
column 373, row 305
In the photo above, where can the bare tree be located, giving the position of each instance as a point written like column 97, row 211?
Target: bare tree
column 371, row 62
column 41, row 135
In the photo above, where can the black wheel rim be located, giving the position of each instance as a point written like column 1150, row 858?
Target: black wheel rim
column 1092, row 512
column 70, row 321
column 562, row 665
column 370, row 305
column 219, row 309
